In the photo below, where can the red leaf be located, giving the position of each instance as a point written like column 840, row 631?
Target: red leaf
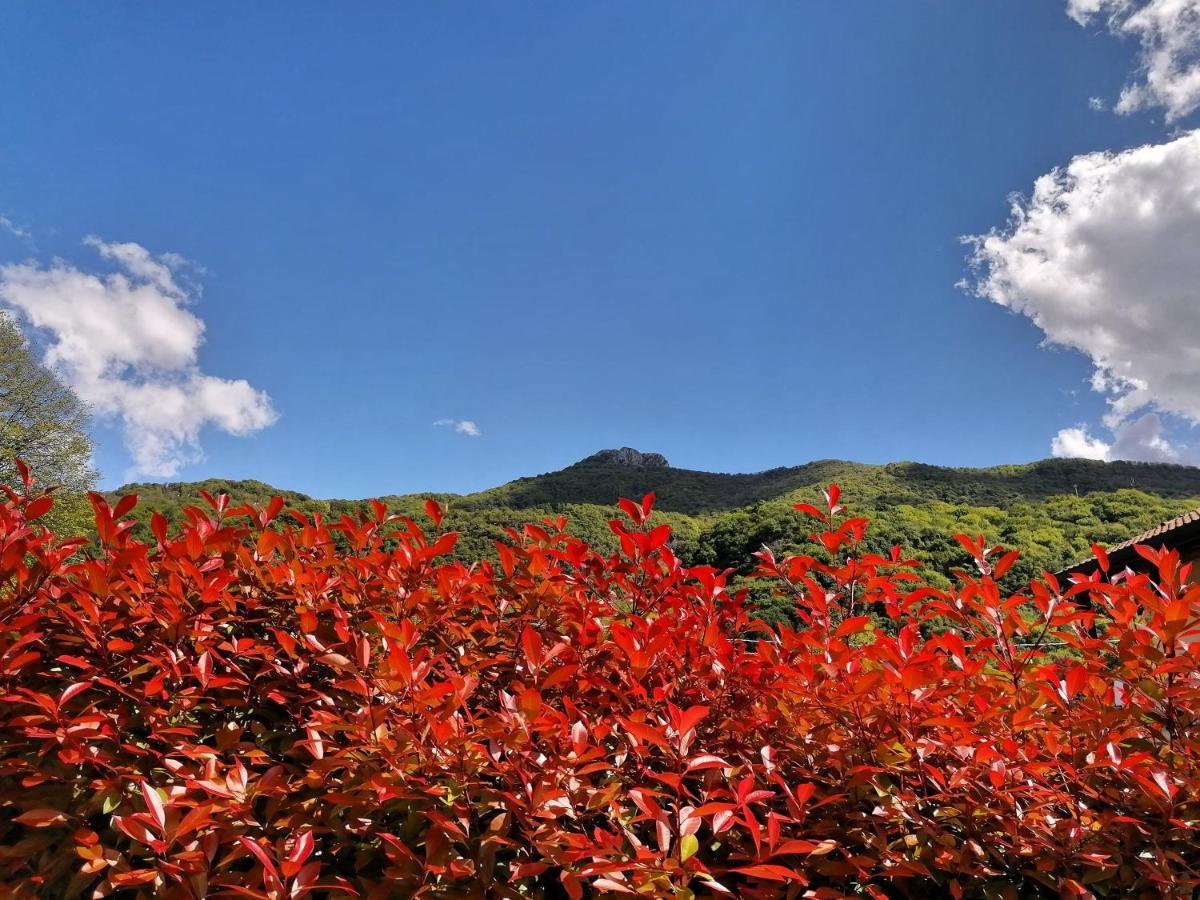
column 72, row 691
column 633, row 510
column 832, row 495
column 851, row 626
column 1076, row 681
column 135, row 829
column 770, row 873
column 531, row 646
column 645, row 733
column 1004, row 563
column 39, row 507
column 690, row 718
column 444, row 544
column 124, row 506
column 270, row 872
column 155, row 805
column 974, row 547
column 23, row 469
column 530, row 702
column 302, row 848
column 706, row 761
column 42, row 818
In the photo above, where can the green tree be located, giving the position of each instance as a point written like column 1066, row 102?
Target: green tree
column 43, row 423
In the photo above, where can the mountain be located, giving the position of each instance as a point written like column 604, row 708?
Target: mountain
column 1052, row 510
column 604, row 477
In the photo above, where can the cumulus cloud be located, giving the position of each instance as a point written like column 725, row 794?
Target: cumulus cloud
column 127, row 343
column 1078, row 443
column 462, row 426
column 1143, row 438
column 1104, row 257
column 1168, row 32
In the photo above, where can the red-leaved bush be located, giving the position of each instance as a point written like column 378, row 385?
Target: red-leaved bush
column 265, row 706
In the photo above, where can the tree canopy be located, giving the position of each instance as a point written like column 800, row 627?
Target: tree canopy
column 43, row 423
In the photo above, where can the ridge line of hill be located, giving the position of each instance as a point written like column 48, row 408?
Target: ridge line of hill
column 601, row 480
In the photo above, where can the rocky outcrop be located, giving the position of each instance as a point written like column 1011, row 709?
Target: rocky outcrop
column 627, row 456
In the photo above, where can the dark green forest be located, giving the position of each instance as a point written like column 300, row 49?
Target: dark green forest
column 1051, row 510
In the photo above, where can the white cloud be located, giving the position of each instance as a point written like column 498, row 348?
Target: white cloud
column 1078, row 443
column 128, row 345
column 1169, row 34
column 1105, row 258
column 1142, row 439
column 7, row 224
column 162, row 271
column 462, row 426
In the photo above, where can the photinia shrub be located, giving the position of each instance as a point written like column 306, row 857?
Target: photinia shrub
column 249, row 707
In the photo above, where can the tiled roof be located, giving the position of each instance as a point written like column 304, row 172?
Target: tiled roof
column 1162, row 533
column 1159, row 529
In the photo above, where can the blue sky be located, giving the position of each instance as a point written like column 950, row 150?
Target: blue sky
column 729, row 234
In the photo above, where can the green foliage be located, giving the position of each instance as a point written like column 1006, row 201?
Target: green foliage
column 594, row 480
column 43, row 423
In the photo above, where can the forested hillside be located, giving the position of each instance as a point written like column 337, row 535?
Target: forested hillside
column 1052, row 510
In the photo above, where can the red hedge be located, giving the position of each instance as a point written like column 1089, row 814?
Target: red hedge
column 251, row 708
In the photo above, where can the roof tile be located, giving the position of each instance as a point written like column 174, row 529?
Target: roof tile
column 1159, row 529
column 1162, row 528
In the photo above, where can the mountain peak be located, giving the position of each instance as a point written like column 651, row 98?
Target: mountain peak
column 627, row 456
